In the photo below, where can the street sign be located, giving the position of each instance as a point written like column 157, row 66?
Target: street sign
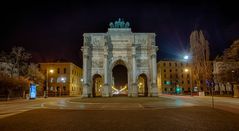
column 33, row 91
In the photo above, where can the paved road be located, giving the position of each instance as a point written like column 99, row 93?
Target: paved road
column 117, row 103
column 120, row 113
column 8, row 108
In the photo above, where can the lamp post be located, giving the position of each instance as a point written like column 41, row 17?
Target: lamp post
column 233, row 81
column 47, row 88
column 186, row 58
column 82, row 80
column 190, row 75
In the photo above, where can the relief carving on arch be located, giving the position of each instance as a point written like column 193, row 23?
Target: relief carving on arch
column 142, row 62
column 87, row 40
column 97, row 64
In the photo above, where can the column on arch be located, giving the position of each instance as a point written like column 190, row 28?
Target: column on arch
column 106, row 72
column 134, row 87
column 86, row 90
column 154, row 89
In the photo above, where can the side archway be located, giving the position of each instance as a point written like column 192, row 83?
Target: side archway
column 97, row 85
column 142, row 85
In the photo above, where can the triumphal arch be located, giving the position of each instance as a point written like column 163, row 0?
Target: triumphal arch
column 102, row 52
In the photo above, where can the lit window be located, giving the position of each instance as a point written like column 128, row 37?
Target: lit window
column 51, row 80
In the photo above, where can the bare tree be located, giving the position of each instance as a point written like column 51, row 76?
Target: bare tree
column 16, row 62
column 19, row 58
column 201, row 68
column 34, row 74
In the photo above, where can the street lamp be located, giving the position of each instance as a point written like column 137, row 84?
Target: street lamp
column 81, row 90
column 63, row 80
column 47, row 88
column 190, row 73
column 186, row 57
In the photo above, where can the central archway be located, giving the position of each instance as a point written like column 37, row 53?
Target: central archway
column 120, row 79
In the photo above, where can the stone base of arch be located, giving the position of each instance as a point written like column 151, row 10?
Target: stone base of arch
column 154, row 90
column 86, row 91
column 106, row 91
column 134, row 90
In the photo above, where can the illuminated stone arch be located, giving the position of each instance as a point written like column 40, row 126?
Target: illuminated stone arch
column 136, row 51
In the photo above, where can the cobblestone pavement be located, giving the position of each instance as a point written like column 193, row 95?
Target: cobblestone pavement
column 121, row 113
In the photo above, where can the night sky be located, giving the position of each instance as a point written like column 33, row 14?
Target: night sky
column 53, row 30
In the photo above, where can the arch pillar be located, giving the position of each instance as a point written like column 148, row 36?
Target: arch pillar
column 134, row 87
column 106, row 72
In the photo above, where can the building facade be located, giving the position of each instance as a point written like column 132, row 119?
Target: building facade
column 176, row 77
column 62, row 78
column 102, row 52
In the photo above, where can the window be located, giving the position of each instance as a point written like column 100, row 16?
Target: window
column 58, row 70
column 181, row 64
column 64, row 70
column 165, row 82
column 169, row 64
column 189, row 89
column 176, row 75
column 170, row 70
column 188, row 81
column 182, row 82
column 164, row 75
column 171, row 76
column 164, row 70
column 176, row 64
column 164, row 64
column 176, row 70
column 165, row 89
column 187, row 75
column 182, row 75
column 201, row 81
column 51, row 80
column 64, row 88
